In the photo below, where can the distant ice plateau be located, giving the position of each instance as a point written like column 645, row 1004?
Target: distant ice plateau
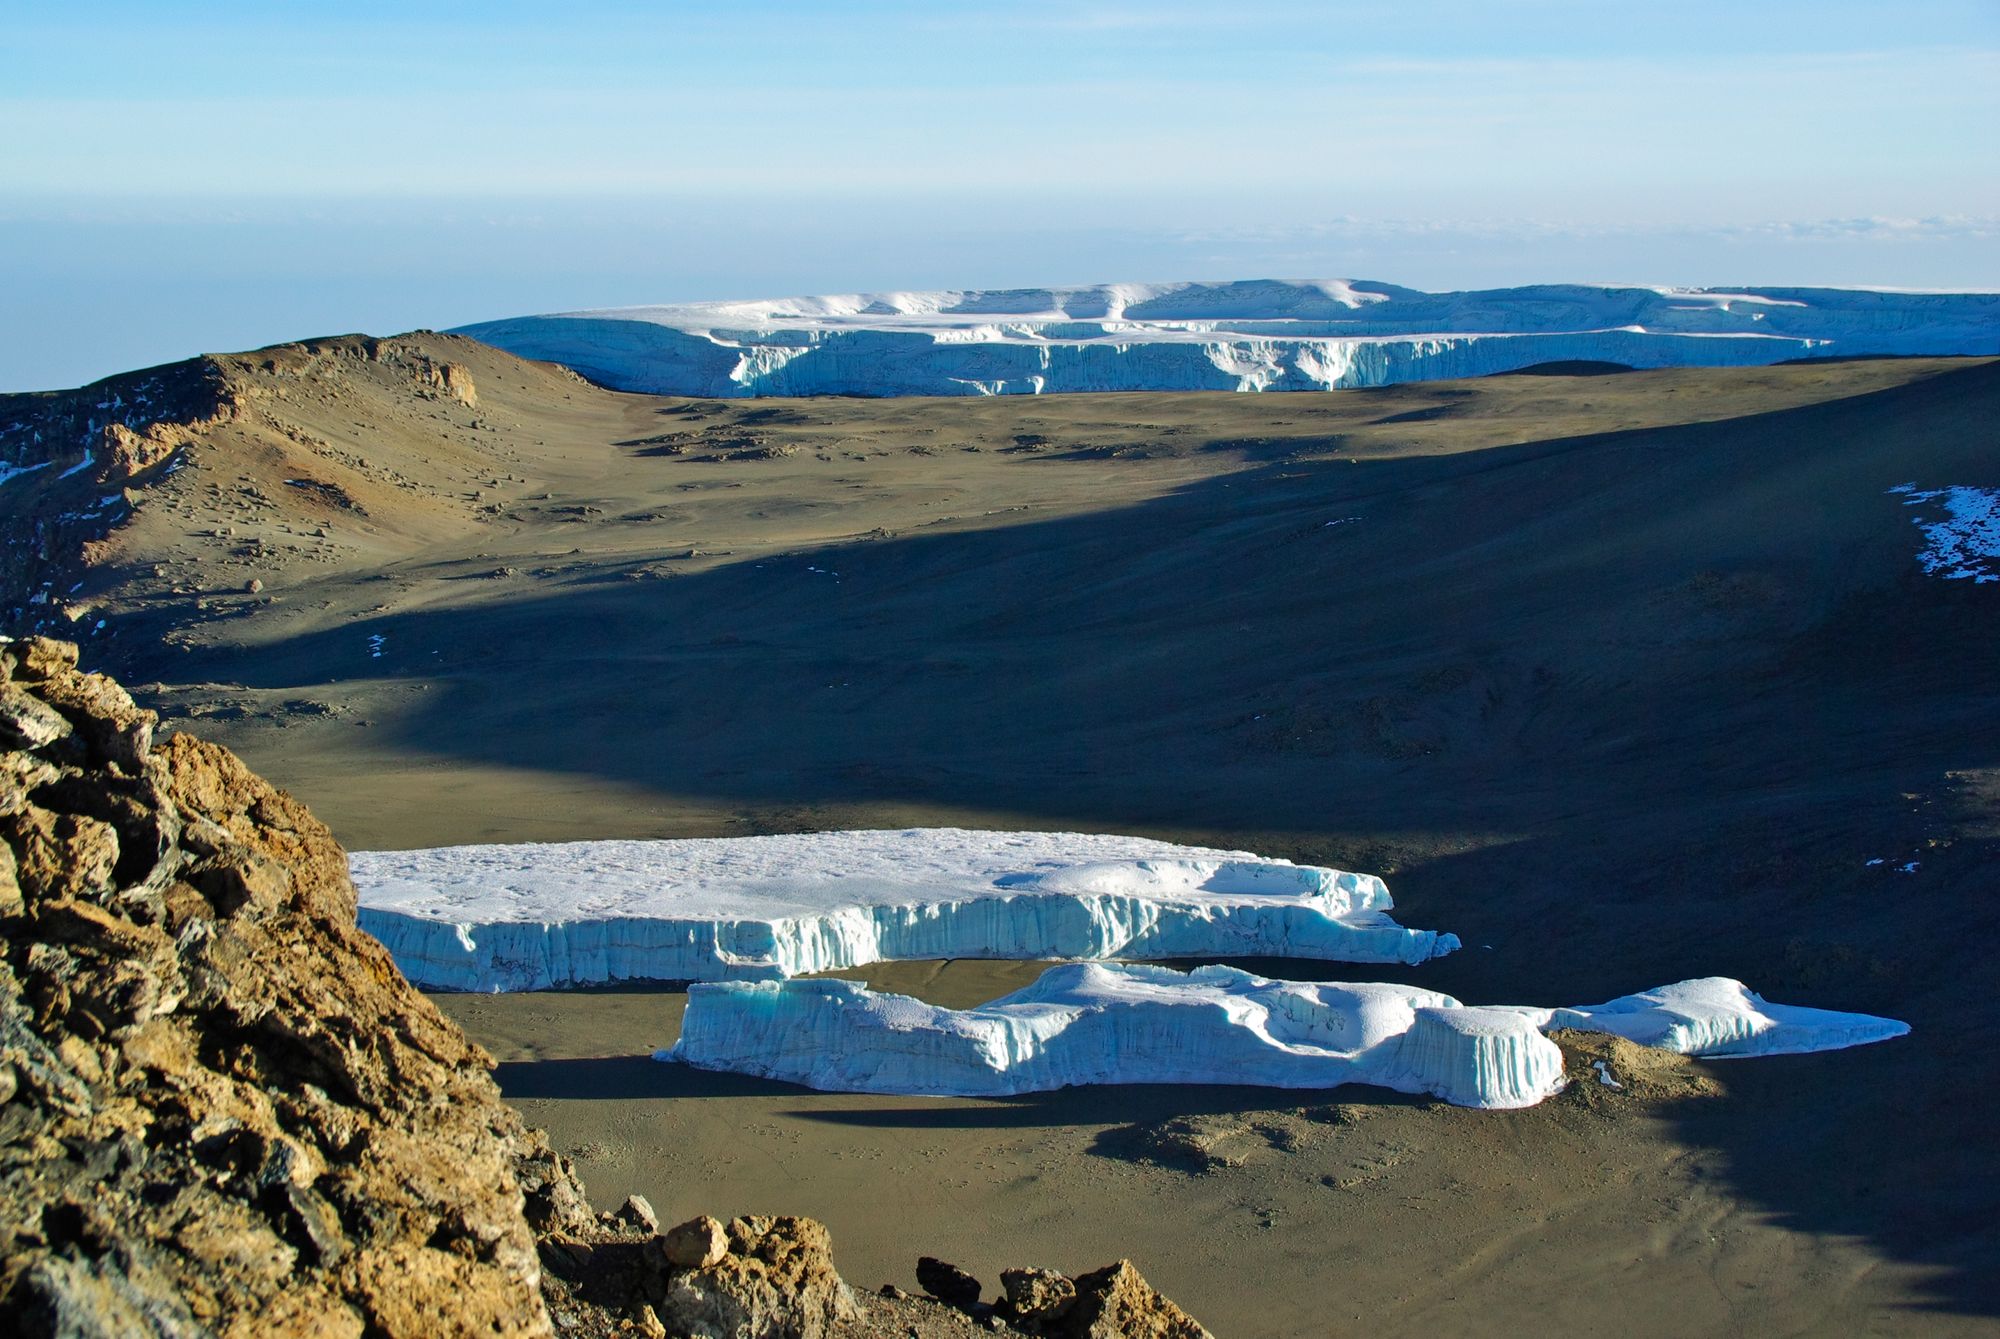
column 1250, row 335
column 535, row 916
column 1087, row 1023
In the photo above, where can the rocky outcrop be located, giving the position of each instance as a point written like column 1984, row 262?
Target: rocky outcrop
column 452, row 379
column 1116, row 1303
column 76, row 463
column 226, row 1112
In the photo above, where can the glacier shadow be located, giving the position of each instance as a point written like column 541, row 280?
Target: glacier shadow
column 627, row 1077
column 1118, row 1106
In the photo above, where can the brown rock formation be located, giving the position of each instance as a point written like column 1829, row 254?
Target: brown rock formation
column 226, row 1110
column 1116, row 1303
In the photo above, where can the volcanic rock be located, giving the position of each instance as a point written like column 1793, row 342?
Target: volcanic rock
column 1117, row 1303
column 777, row 1281
column 696, row 1244
column 948, row 1283
column 229, row 1113
column 1038, row 1295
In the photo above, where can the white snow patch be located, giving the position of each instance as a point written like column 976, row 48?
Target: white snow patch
column 531, row 916
column 1965, row 544
column 80, row 466
column 1719, row 1018
column 8, row 472
column 1086, row 1023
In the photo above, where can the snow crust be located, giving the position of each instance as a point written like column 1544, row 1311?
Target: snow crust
column 1250, row 335
column 1086, row 1023
column 533, row 916
column 1963, row 544
column 1716, row 1017
column 8, row 471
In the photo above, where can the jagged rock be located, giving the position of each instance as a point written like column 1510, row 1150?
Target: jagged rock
column 776, row 1282
column 26, row 723
column 1117, row 1303
column 696, row 1244
column 638, row 1211
column 1038, row 1295
column 40, row 657
column 226, row 1112
column 114, row 728
column 948, row 1283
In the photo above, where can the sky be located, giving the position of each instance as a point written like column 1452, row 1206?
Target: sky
column 179, row 178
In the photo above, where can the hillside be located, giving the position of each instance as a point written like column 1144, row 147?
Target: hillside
column 1623, row 678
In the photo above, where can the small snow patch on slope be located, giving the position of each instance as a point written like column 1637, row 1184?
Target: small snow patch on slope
column 1961, row 528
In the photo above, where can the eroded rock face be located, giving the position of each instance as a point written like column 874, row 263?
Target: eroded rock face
column 225, row 1110
column 777, row 1281
column 1117, row 1303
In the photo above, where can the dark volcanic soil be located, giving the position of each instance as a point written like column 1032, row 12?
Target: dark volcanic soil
column 1624, row 679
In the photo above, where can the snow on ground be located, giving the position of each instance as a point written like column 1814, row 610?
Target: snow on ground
column 1086, row 1023
column 1719, row 1018
column 16, row 471
column 1965, row 544
column 1250, row 335
column 532, row 916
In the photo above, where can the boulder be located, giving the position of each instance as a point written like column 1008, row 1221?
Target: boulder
column 696, row 1244
column 1037, row 1295
column 777, row 1281
column 948, row 1283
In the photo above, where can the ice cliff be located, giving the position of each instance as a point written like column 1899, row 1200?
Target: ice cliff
column 532, row 916
column 1085, row 1023
column 1249, row 335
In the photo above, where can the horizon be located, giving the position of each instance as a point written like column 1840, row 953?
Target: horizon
column 380, row 171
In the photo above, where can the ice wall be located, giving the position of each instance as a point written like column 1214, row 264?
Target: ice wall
column 1245, row 336
column 1090, row 1024
column 532, row 916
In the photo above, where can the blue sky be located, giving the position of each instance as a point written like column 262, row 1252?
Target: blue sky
column 175, row 178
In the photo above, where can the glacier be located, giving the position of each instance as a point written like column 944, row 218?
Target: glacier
column 1249, row 335
column 539, row 915
column 1089, row 1023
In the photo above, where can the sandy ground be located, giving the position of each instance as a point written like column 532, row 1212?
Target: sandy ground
column 1266, row 1213
column 1622, row 678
